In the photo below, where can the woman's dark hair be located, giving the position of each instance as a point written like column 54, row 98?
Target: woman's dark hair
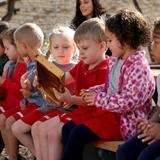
column 98, row 10
column 130, row 28
column 3, row 27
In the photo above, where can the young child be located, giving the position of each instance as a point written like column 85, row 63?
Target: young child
column 12, row 83
column 91, row 40
column 62, row 49
column 127, row 94
column 146, row 144
column 28, row 38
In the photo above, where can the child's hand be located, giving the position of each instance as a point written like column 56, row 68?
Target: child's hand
column 26, row 93
column 89, row 98
column 63, row 97
column 152, row 133
column 25, row 83
column 22, row 105
column 142, row 125
column 35, row 82
column 83, row 92
column 66, row 105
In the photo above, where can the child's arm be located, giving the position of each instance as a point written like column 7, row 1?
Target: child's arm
column 68, row 98
column 68, row 78
column 3, row 77
column 135, row 93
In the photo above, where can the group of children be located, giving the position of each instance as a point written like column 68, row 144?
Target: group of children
column 108, row 98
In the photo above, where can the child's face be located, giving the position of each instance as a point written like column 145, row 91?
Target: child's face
column 1, row 50
column 10, row 50
column 90, row 50
column 21, row 49
column 62, row 49
column 86, row 7
column 156, row 49
column 114, row 45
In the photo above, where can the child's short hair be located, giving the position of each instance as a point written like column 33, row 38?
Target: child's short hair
column 93, row 28
column 9, row 35
column 62, row 30
column 156, row 29
column 3, row 27
column 130, row 28
column 31, row 34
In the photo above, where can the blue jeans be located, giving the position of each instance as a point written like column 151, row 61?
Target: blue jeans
column 74, row 137
column 135, row 149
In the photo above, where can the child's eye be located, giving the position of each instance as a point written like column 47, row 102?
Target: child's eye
column 56, row 47
column 66, row 47
column 85, row 48
column 109, row 40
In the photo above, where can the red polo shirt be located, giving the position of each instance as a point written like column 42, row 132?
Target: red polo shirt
column 85, row 78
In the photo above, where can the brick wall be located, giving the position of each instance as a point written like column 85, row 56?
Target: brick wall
column 47, row 13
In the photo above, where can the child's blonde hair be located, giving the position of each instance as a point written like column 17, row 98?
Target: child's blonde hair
column 9, row 35
column 31, row 34
column 60, row 30
column 93, row 28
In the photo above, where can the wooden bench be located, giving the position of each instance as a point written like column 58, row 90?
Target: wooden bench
column 109, row 145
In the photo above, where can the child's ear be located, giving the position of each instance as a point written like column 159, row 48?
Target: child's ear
column 74, row 48
column 24, row 45
column 103, row 46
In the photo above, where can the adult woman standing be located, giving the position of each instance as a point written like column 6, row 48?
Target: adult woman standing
column 86, row 9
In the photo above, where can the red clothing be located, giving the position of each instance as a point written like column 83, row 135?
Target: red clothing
column 84, row 79
column 12, row 87
column 18, row 113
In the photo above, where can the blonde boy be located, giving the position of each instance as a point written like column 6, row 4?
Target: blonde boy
column 29, row 39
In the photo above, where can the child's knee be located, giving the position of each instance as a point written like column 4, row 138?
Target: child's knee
column 53, row 134
column 9, row 122
column 42, row 131
column 15, row 128
column 35, row 128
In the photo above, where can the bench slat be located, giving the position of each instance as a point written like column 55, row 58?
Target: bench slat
column 110, row 145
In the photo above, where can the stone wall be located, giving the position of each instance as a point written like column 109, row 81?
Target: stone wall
column 47, row 13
